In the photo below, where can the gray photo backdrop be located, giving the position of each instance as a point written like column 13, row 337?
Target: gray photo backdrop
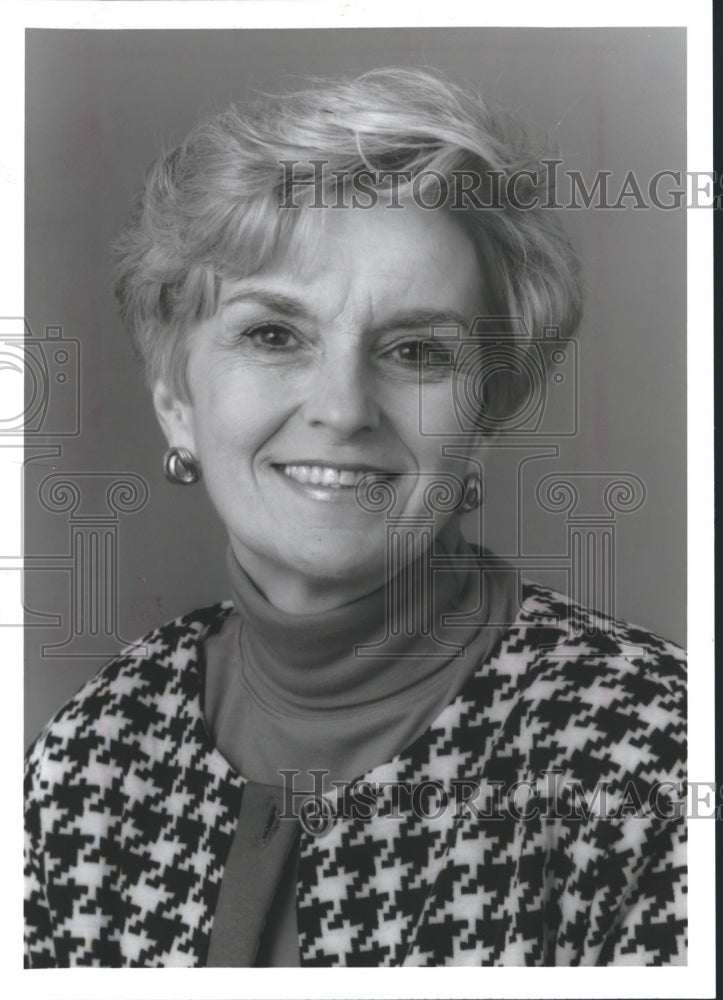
column 100, row 104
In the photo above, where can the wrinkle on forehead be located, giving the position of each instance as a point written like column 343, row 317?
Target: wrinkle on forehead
column 358, row 263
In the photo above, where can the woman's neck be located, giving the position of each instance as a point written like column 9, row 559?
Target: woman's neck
column 358, row 650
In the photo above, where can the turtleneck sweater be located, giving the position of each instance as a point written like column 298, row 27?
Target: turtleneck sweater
column 338, row 692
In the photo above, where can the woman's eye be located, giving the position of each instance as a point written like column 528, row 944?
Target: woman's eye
column 420, row 359
column 410, row 352
column 271, row 336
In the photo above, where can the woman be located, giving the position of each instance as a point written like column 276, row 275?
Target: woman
column 386, row 750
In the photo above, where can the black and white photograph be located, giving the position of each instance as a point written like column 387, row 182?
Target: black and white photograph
column 357, row 602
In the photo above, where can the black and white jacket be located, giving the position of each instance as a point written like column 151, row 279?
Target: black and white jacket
column 549, row 828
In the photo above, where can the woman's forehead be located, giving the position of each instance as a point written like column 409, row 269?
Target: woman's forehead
column 404, row 252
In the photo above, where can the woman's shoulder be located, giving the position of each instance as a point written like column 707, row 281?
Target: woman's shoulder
column 139, row 690
column 551, row 628
column 580, row 675
column 571, row 692
column 566, row 629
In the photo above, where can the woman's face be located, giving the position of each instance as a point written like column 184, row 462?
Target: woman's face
column 309, row 371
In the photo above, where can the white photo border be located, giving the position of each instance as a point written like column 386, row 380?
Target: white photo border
column 698, row 978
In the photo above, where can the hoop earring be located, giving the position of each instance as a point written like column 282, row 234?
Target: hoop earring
column 180, row 467
column 472, row 497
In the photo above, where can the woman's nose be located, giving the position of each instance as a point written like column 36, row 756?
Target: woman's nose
column 341, row 397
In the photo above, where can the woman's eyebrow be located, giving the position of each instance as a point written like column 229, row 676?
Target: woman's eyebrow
column 289, row 305
column 419, row 319
column 278, row 301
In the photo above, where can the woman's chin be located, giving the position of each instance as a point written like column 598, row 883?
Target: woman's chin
column 350, row 568
column 344, row 564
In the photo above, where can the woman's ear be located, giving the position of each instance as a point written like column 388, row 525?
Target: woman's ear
column 175, row 417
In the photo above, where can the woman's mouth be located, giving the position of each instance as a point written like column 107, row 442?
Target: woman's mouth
column 329, row 482
column 324, row 475
column 329, row 475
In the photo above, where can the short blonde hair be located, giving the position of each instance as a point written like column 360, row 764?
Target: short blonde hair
column 214, row 207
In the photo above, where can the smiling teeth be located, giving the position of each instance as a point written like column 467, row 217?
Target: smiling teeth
column 323, row 475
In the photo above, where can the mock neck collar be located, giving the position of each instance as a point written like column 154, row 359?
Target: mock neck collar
column 323, row 660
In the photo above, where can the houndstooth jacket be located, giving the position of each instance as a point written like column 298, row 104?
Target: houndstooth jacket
column 536, row 822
